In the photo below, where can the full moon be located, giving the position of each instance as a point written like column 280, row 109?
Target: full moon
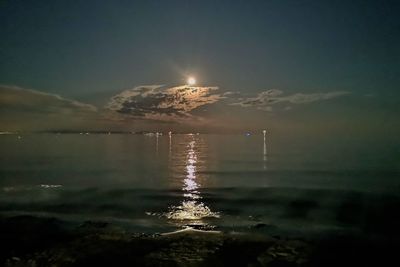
column 191, row 81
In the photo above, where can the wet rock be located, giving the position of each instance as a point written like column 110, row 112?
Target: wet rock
column 255, row 218
column 93, row 225
column 43, row 242
column 286, row 253
column 259, row 225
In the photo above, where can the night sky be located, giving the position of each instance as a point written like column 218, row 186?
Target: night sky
column 320, row 68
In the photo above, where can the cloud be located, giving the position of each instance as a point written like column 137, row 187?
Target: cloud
column 163, row 103
column 151, row 107
column 230, row 93
column 30, row 110
column 264, row 100
column 27, row 100
column 265, row 108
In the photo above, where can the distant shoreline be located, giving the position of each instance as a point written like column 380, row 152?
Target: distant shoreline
column 103, row 132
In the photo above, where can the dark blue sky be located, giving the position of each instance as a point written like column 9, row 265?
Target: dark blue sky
column 90, row 46
column 90, row 49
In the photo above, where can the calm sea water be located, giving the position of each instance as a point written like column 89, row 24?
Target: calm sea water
column 222, row 182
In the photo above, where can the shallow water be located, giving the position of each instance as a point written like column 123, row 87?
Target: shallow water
column 223, row 182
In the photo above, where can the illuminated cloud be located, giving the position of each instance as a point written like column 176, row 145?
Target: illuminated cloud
column 160, row 102
column 264, row 100
column 143, row 107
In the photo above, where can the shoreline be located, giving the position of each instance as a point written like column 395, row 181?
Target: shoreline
column 46, row 241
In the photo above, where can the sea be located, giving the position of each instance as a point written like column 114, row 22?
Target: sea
column 212, row 182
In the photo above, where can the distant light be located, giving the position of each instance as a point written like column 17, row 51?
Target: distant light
column 248, row 134
column 191, row 81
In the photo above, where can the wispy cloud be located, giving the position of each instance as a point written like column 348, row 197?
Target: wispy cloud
column 143, row 107
column 28, row 100
column 30, row 109
column 160, row 102
column 264, row 100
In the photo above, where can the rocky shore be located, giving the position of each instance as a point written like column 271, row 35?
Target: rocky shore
column 40, row 241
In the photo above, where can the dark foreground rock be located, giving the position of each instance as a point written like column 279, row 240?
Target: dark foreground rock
column 33, row 241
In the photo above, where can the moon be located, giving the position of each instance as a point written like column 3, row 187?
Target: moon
column 191, row 81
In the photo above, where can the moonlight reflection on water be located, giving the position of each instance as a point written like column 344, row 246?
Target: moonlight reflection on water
column 191, row 209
